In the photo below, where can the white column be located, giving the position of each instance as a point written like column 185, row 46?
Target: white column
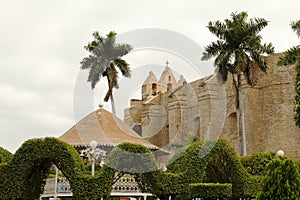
column 55, row 183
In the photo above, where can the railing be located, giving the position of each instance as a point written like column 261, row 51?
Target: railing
column 125, row 184
column 63, row 186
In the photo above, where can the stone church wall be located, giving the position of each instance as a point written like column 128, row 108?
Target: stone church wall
column 209, row 109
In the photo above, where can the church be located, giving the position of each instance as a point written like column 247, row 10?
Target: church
column 171, row 109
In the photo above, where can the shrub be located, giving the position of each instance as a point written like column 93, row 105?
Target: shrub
column 282, row 181
column 210, row 190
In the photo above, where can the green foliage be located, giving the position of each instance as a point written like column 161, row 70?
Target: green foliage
column 282, row 181
column 131, row 158
column 5, row 155
column 239, row 49
column 89, row 187
column 210, row 190
column 224, row 166
column 290, row 57
column 210, row 162
column 23, row 177
column 105, row 57
column 256, row 163
column 190, row 163
column 163, row 184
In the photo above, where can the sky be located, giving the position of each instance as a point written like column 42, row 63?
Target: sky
column 43, row 92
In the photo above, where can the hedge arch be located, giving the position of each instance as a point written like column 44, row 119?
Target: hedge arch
column 23, row 177
column 5, row 155
column 211, row 162
column 224, row 166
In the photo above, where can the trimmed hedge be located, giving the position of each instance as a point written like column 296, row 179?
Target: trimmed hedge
column 5, row 155
column 23, row 177
column 213, row 162
column 282, row 181
column 256, row 163
column 131, row 158
column 210, row 190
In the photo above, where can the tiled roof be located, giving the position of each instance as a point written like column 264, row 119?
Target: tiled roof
column 105, row 128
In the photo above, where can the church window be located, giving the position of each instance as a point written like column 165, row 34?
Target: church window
column 154, row 89
column 169, row 86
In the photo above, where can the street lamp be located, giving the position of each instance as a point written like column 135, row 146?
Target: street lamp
column 280, row 153
column 94, row 154
column 163, row 167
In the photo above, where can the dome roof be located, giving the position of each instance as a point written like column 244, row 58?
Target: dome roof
column 105, row 128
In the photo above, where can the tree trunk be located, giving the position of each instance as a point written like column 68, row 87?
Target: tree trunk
column 241, row 128
column 113, row 108
column 109, row 95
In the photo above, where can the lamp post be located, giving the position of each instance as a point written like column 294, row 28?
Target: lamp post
column 94, row 154
column 280, row 153
column 163, row 167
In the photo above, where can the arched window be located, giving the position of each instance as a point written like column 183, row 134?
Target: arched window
column 154, row 89
column 169, row 86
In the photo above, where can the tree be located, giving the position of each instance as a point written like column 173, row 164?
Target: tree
column 290, row 57
column 282, row 181
column 238, row 51
column 103, row 61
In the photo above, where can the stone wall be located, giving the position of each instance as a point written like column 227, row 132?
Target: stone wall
column 209, row 108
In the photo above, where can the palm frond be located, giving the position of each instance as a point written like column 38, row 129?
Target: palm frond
column 296, row 27
column 213, row 49
column 240, row 61
column 111, row 34
column 290, row 56
column 223, row 57
column 121, row 50
column 123, row 66
column 257, row 24
column 259, row 60
column 97, row 40
column 266, row 48
column 88, row 62
column 217, row 28
column 237, row 18
column 222, row 73
column 224, row 66
column 104, row 52
column 239, row 50
column 94, row 76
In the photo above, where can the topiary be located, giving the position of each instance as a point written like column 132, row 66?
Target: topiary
column 282, row 181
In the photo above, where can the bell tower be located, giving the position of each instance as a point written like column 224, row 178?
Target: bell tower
column 150, row 86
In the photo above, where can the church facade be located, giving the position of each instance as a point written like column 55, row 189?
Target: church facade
column 170, row 109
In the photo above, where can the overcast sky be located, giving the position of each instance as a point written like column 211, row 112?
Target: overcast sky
column 42, row 42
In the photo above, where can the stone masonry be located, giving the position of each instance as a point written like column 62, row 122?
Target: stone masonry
column 169, row 110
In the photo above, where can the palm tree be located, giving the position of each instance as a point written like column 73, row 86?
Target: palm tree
column 290, row 57
column 103, row 61
column 238, row 51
